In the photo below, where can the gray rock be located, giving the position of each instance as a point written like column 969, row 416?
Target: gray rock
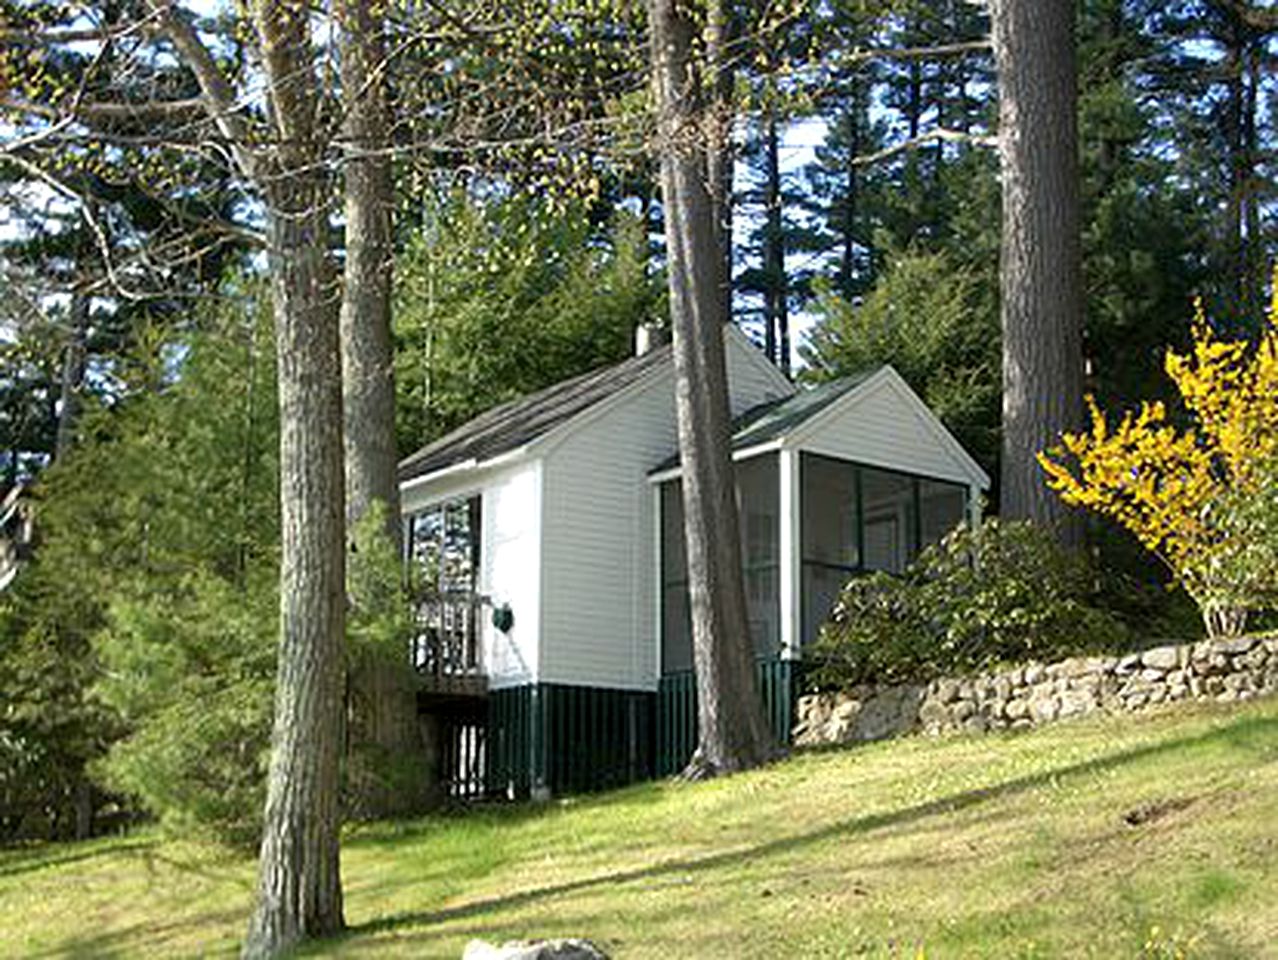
column 1077, row 703
column 1017, row 709
column 1128, row 664
column 847, row 710
column 1233, row 646
column 1001, row 689
column 946, row 690
column 570, row 949
column 1256, row 659
column 934, row 714
column 1238, row 681
column 1161, row 658
column 893, row 711
column 1077, row 667
column 1044, row 709
column 1034, row 673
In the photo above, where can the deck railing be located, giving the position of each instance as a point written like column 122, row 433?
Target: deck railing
column 446, row 641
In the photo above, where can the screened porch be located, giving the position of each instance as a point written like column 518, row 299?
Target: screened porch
column 809, row 523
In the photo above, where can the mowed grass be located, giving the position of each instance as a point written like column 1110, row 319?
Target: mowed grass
column 1111, row 837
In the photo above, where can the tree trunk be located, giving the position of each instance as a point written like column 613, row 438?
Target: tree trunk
column 73, row 362
column 1040, row 282
column 299, row 891
column 776, row 296
column 716, row 125
column 732, row 731
column 849, row 276
column 386, row 756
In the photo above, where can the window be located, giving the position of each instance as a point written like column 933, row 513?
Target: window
column 830, row 538
column 443, row 542
column 942, row 507
column 888, row 516
column 758, row 504
column 857, row 519
column 676, row 611
column 443, row 545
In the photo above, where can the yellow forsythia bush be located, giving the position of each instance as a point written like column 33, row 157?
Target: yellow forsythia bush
column 1176, row 489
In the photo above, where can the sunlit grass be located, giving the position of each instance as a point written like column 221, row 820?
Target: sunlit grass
column 1118, row 837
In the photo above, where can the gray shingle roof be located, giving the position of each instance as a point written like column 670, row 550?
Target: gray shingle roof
column 777, row 418
column 511, row 425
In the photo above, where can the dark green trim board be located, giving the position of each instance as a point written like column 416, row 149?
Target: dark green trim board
column 561, row 739
column 676, row 721
column 510, row 748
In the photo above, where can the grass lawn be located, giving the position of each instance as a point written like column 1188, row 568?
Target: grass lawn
column 1112, row 837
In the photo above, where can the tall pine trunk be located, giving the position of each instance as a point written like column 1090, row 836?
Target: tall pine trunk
column 299, row 888
column 74, row 357
column 386, row 769
column 1041, row 268
column 299, row 891
column 776, row 297
column 732, row 732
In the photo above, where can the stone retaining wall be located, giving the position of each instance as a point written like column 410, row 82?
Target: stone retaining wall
column 1027, row 696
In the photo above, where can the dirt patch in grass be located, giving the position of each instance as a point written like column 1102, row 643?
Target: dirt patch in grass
column 1157, row 810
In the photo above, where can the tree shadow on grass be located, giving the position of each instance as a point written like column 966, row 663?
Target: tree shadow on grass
column 18, row 861
column 1253, row 733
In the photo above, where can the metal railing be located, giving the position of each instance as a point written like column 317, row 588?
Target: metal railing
column 447, row 638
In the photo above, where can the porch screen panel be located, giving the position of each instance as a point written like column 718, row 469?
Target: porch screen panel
column 829, row 537
column 890, row 523
column 676, row 613
column 942, row 506
column 759, row 505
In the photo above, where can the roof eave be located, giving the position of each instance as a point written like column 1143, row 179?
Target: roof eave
column 467, row 466
column 745, row 453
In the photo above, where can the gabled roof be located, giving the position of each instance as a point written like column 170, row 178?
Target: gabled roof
column 511, row 425
column 771, row 421
column 779, row 418
column 797, row 418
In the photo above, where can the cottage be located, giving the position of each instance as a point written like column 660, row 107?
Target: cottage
column 554, row 641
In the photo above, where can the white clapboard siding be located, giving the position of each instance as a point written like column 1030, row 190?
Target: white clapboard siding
column 882, row 424
column 511, row 572
column 598, row 544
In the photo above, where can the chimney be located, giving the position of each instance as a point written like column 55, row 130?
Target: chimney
column 648, row 336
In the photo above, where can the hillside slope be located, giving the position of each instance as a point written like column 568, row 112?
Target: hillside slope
column 1116, row 837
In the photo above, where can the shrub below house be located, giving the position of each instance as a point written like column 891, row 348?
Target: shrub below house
column 999, row 592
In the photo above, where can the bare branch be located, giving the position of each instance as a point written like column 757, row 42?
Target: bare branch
column 86, row 212
column 924, row 140
column 101, row 112
column 866, row 55
column 218, row 95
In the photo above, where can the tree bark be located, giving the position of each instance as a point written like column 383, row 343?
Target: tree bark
column 386, row 756
column 1040, row 272
column 299, row 891
column 776, row 297
column 732, row 732
column 299, row 885
column 849, row 276
column 73, row 362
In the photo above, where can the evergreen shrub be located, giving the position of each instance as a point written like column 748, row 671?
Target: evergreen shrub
column 1002, row 592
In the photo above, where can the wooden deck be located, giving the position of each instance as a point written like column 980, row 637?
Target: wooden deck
column 447, row 650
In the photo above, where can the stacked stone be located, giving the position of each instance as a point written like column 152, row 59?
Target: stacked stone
column 1223, row 670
